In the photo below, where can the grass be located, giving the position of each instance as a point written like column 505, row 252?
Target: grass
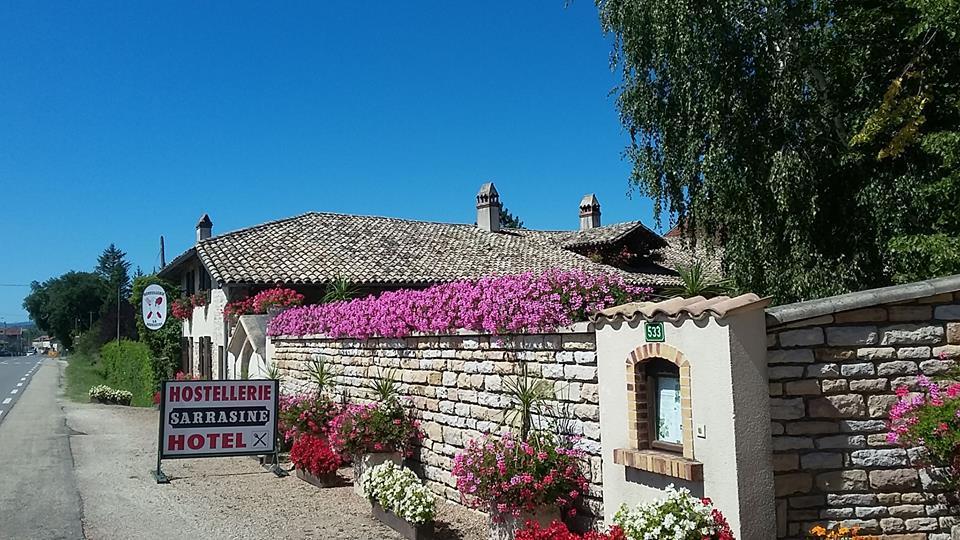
column 83, row 371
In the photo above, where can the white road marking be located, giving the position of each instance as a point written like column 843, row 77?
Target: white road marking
column 1, row 412
column 23, row 378
column 14, row 391
column 8, row 400
column 21, row 384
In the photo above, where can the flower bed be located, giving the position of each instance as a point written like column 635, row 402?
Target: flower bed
column 557, row 530
column 504, row 304
column 306, row 414
column 506, row 476
column 313, row 455
column 102, row 393
column 262, row 302
column 375, row 427
column 678, row 516
column 398, row 490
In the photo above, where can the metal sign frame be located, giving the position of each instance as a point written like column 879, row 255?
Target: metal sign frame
column 276, row 469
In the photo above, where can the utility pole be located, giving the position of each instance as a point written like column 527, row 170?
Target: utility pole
column 118, row 315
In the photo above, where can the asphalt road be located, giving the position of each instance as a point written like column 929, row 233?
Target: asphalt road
column 15, row 375
column 39, row 498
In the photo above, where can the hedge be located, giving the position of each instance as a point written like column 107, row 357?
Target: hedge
column 128, row 366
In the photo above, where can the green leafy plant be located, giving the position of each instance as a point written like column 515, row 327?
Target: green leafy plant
column 385, row 387
column 321, row 374
column 696, row 280
column 528, row 397
column 338, row 290
column 273, row 372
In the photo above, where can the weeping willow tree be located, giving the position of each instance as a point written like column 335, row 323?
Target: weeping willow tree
column 814, row 141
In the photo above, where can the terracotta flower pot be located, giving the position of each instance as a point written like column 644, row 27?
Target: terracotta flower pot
column 507, row 525
column 366, row 461
column 404, row 528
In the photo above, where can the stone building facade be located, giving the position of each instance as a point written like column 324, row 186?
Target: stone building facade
column 834, row 365
column 455, row 385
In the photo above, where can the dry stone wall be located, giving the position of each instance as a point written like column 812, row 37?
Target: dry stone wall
column 832, row 382
column 456, row 386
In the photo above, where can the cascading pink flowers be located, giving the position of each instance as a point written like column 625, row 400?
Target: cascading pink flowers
column 503, row 304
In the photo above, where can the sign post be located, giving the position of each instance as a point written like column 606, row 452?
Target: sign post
column 201, row 419
column 154, row 307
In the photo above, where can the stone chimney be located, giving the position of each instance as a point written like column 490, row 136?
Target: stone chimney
column 488, row 208
column 204, row 228
column 589, row 212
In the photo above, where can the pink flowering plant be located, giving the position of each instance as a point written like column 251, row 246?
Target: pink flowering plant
column 929, row 419
column 261, row 302
column 503, row 304
column 306, row 414
column 508, row 476
column 374, row 427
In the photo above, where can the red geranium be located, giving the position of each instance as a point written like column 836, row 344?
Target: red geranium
column 314, row 455
column 557, row 530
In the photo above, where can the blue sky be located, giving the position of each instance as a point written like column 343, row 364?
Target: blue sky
column 125, row 121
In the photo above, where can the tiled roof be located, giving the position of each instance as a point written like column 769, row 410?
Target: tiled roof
column 696, row 307
column 366, row 250
column 608, row 234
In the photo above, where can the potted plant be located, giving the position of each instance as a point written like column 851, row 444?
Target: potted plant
column 274, row 301
column 375, row 433
column 399, row 500
column 102, row 393
column 557, row 530
column 677, row 515
column 315, row 461
column 517, row 480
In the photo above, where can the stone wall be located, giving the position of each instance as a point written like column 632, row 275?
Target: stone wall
column 455, row 383
column 832, row 381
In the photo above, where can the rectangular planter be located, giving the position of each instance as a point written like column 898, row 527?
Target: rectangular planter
column 506, row 527
column 325, row 481
column 403, row 528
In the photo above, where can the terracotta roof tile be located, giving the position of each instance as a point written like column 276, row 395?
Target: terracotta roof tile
column 696, row 307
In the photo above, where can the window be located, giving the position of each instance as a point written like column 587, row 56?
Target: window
column 189, row 284
column 664, row 414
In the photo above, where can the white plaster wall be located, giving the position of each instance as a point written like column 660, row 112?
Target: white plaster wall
column 208, row 320
column 706, row 344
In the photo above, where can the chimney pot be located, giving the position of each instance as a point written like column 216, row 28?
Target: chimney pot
column 589, row 212
column 488, row 208
column 204, row 228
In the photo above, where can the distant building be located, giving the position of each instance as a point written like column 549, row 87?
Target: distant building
column 309, row 251
column 11, row 340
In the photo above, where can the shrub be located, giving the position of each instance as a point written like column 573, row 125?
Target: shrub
column 930, row 420
column 165, row 344
column 510, row 476
column 102, row 392
column 557, row 530
column 503, row 304
column 379, row 427
column 314, row 455
column 306, row 414
column 679, row 516
column 128, row 366
column 398, row 490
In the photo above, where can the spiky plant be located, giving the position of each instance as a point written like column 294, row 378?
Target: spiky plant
column 696, row 280
column 339, row 289
column 385, row 387
column 528, row 396
column 273, row 372
column 322, row 374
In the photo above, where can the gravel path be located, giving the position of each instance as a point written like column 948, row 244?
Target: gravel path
column 114, row 449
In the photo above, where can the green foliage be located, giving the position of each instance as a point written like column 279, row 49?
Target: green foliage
column 322, row 375
column 338, row 290
column 129, row 366
column 273, row 372
column 509, row 221
column 89, row 342
column 528, row 397
column 62, row 305
column 758, row 126
column 82, row 372
column 696, row 281
column 385, row 387
column 165, row 343
column 114, row 269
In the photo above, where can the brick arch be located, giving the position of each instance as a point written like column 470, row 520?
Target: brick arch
column 637, row 419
